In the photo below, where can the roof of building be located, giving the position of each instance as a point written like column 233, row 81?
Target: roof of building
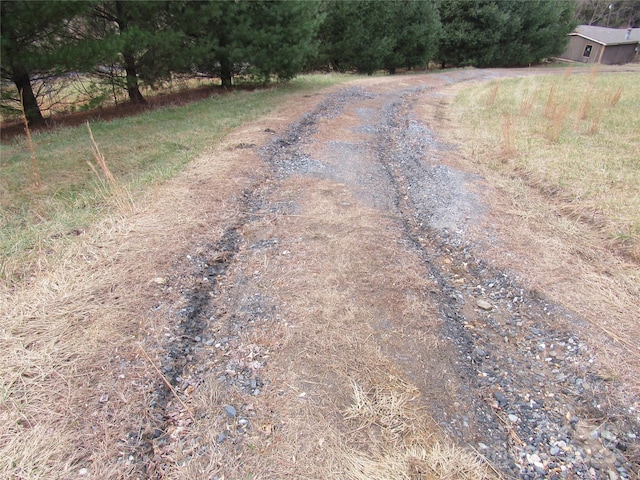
column 608, row 36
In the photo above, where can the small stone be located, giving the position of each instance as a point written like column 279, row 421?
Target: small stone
column 613, row 475
column 607, row 435
column 513, row 418
column 159, row 280
column 500, row 397
column 554, row 451
column 230, row 411
column 83, row 471
column 484, row 305
column 221, row 438
column 533, row 459
column 480, row 352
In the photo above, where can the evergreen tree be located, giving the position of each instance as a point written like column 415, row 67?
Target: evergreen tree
column 140, row 40
column 369, row 35
column 280, row 37
column 33, row 35
column 353, row 35
column 262, row 37
column 471, row 32
column 534, row 31
column 494, row 33
column 415, row 29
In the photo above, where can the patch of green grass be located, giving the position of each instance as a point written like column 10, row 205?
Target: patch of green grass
column 575, row 136
column 140, row 151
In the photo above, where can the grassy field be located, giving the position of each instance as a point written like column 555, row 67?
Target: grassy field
column 574, row 136
column 55, row 196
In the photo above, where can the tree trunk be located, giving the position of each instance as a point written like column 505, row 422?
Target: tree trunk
column 132, row 80
column 133, row 88
column 225, row 73
column 28, row 99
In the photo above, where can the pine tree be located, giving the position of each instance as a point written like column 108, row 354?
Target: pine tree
column 280, row 38
column 471, row 32
column 212, row 32
column 415, row 28
column 496, row 33
column 262, row 38
column 139, row 38
column 369, row 35
column 33, row 35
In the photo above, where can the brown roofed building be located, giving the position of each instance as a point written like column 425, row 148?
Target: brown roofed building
column 609, row 46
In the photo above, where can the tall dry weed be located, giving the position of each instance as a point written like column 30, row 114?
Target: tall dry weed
column 493, row 94
column 526, row 104
column 109, row 186
column 550, row 107
column 508, row 146
column 596, row 117
column 585, row 106
column 560, row 113
column 615, row 98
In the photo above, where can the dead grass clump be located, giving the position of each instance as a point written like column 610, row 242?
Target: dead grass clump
column 386, row 406
column 585, row 107
column 418, row 462
column 559, row 114
column 110, row 188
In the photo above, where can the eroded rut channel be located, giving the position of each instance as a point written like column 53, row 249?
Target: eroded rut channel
column 346, row 319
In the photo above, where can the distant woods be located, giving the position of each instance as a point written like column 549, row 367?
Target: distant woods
column 129, row 44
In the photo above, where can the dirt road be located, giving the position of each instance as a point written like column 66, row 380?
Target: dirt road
column 332, row 312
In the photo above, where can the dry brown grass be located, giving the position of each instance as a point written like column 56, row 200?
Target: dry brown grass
column 74, row 385
column 559, row 204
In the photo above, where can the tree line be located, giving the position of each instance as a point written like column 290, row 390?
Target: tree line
column 134, row 43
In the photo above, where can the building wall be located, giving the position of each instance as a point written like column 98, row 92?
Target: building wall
column 610, row 55
column 617, row 54
column 576, row 49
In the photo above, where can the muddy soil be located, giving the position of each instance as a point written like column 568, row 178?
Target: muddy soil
column 358, row 198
